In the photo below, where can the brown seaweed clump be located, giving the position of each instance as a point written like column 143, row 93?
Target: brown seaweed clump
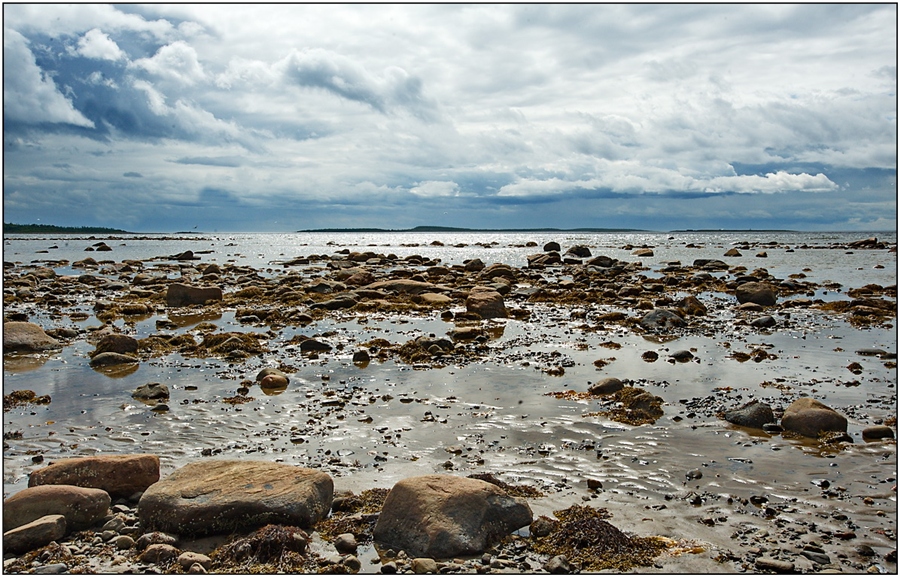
column 587, row 539
column 271, row 549
column 632, row 406
column 22, row 398
column 354, row 514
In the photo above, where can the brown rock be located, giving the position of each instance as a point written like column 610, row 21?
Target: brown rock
column 180, row 295
column 35, row 534
column 19, row 336
column 116, row 343
column 82, row 507
column 118, row 475
column 760, row 293
column 159, row 553
column 606, row 386
column 221, row 496
column 443, row 516
column 486, row 302
column 810, row 417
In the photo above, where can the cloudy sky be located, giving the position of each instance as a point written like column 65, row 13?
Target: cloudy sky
column 286, row 117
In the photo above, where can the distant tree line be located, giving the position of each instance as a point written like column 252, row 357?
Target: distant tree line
column 45, row 228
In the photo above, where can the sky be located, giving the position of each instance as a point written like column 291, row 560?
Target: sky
column 283, row 117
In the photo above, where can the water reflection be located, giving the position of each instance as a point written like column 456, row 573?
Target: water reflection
column 19, row 363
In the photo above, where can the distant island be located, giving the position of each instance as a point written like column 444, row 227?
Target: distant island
column 456, row 229
column 50, row 228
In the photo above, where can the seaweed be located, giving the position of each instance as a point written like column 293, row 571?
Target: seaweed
column 585, row 538
column 270, row 549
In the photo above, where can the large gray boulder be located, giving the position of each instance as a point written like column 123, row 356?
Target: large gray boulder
column 25, row 337
column 810, row 417
column 760, row 293
column 118, row 475
column 181, row 295
column 222, row 496
column 754, row 414
column 662, row 319
column 81, row 506
column 443, row 516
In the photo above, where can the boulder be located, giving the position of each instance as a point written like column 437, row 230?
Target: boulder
column 404, row 286
column 662, row 319
column 552, row 246
column 434, row 299
column 691, row 305
column 118, row 475
column 474, row 265
column 116, row 343
column 35, row 534
column 82, row 507
column 444, row 516
column 764, row 322
column 337, row 303
column 276, row 378
column 754, row 414
column 732, row 252
column 151, row 391
column 810, row 417
column 760, row 293
column 877, row 432
column 579, row 251
column 112, row 359
column 181, row 295
column 222, row 496
column 25, row 337
column 487, row 303
column 606, row 386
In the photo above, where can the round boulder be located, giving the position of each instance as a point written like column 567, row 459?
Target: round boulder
column 810, row 417
column 754, row 414
column 760, row 293
column 443, row 516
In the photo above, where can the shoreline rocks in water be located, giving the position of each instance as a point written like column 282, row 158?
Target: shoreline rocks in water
column 118, row 475
column 579, row 296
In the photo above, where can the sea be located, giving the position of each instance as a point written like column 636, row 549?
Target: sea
column 372, row 425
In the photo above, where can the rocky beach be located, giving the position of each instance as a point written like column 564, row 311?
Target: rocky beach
column 453, row 403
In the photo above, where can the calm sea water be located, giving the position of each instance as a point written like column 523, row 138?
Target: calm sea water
column 397, row 420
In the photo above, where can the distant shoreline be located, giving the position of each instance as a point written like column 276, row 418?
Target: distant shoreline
column 10, row 228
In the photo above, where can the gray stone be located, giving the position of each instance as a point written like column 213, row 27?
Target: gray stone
column 112, row 359
column 662, row 319
column 606, row 386
column 877, row 432
column 159, row 553
column 25, row 337
column 180, row 295
column 756, row 292
column 220, row 496
column 151, row 391
column 345, row 543
column 754, row 414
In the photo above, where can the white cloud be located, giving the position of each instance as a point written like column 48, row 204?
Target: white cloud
column 434, row 188
column 96, row 44
column 177, row 61
column 29, row 95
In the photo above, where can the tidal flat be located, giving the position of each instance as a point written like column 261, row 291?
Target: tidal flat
column 392, row 372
